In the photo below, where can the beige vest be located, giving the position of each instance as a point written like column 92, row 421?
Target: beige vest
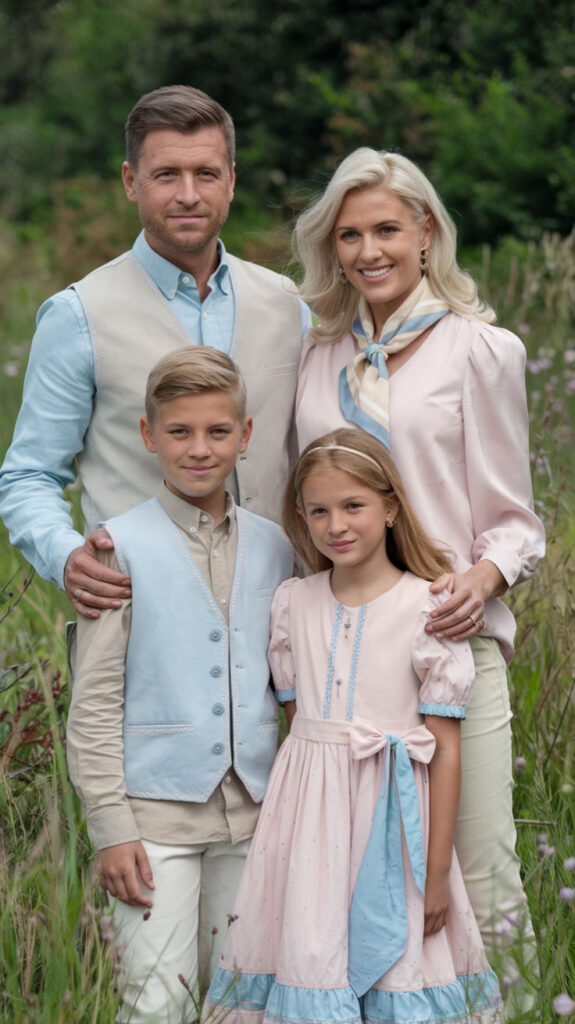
column 131, row 327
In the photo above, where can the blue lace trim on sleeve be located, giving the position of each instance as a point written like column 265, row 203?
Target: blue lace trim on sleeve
column 443, row 710
column 282, row 696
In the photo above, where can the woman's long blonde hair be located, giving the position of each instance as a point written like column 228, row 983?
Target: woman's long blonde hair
column 364, row 457
column 335, row 301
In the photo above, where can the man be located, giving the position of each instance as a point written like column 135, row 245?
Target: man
column 97, row 340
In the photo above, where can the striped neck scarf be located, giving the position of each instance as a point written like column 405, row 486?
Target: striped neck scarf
column 364, row 382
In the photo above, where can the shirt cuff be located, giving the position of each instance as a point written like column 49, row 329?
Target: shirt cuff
column 111, row 826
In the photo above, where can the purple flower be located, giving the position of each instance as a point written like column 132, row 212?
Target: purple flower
column 570, row 387
column 563, row 1005
column 537, row 365
column 569, row 355
column 506, row 925
column 10, row 369
column 566, row 894
column 569, row 864
column 520, row 764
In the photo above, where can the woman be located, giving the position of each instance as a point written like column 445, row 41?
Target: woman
column 406, row 350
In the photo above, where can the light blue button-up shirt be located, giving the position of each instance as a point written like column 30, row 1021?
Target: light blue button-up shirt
column 56, row 406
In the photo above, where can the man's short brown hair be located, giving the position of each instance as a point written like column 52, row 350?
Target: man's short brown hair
column 181, row 108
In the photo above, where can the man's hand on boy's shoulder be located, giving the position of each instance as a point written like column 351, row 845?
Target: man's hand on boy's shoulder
column 90, row 583
column 122, row 869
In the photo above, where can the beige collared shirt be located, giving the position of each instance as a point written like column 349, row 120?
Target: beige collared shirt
column 95, row 750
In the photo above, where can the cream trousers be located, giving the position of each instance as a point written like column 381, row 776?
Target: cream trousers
column 195, row 889
column 485, row 836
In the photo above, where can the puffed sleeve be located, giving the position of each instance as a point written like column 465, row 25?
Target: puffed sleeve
column 507, row 531
column 444, row 667
column 279, row 651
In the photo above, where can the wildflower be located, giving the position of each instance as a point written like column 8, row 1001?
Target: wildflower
column 511, row 979
column 566, row 894
column 569, row 355
column 569, row 864
column 506, row 925
column 10, row 369
column 520, row 765
column 563, row 1005
column 107, row 928
column 146, row 915
column 570, row 387
column 543, row 846
column 537, row 365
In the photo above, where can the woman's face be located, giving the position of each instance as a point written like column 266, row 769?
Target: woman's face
column 378, row 242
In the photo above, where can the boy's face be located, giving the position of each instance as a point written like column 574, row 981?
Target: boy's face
column 197, row 439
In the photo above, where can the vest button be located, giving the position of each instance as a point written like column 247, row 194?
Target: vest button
column 218, row 709
column 218, row 748
column 216, row 634
column 216, row 670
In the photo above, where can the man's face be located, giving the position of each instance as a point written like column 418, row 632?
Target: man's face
column 183, row 186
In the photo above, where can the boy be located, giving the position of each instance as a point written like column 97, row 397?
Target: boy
column 173, row 726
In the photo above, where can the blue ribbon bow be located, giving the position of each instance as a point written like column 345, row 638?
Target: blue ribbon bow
column 378, row 914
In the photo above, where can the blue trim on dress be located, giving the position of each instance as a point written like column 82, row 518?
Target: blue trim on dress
column 331, row 666
column 476, row 994
column 443, row 710
column 282, row 696
column 354, row 661
column 470, row 994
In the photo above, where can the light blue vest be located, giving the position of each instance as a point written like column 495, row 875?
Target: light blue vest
column 197, row 693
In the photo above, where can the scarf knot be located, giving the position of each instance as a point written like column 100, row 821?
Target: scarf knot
column 364, row 382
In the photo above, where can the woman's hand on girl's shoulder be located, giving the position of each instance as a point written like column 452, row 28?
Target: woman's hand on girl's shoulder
column 462, row 615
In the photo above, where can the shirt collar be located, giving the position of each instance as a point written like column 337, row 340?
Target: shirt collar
column 190, row 517
column 167, row 276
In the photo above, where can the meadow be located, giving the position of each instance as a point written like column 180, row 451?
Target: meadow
column 56, row 961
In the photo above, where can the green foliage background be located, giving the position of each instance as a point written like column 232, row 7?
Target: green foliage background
column 480, row 94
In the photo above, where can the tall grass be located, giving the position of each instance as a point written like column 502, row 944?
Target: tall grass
column 55, row 962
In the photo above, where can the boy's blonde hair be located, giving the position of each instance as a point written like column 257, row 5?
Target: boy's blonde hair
column 194, row 370
column 408, row 545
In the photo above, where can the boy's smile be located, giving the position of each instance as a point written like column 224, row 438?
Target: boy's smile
column 197, row 439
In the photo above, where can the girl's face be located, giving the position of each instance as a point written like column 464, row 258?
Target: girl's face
column 378, row 242
column 346, row 518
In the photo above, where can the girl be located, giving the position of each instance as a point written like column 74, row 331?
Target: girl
column 352, row 905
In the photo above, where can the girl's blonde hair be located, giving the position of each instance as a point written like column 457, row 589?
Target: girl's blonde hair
column 364, row 457
column 335, row 301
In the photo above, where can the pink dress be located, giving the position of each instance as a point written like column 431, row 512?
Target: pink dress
column 328, row 921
